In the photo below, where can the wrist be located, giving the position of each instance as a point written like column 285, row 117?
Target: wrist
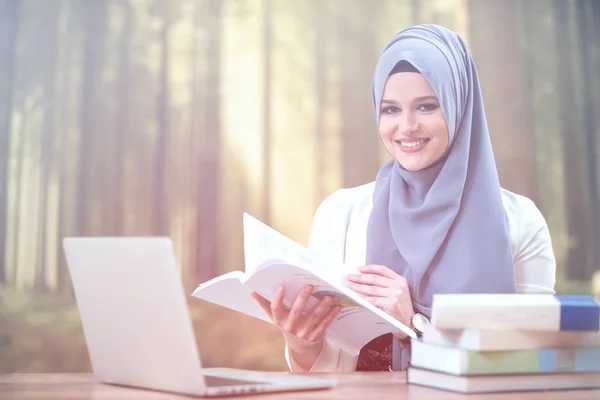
column 305, row 355
column 402, row 336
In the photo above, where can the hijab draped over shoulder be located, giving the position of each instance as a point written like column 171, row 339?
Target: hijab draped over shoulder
column 443, row 228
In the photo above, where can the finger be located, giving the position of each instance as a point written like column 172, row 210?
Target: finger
column 263, row 303
column 319, row 331
column 380, row 270
column 296, row 314
column 368, row 290
column 371, row 279
column 379, row 302
column 315, row 316
column 278, row 310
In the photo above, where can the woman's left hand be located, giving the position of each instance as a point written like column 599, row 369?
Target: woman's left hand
column 386, row 290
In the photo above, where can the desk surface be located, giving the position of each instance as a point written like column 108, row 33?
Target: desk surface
column 359, row 385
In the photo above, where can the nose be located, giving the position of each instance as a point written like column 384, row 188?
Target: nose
column 407, row 123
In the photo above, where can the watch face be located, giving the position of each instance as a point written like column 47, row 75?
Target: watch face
column 419, row 321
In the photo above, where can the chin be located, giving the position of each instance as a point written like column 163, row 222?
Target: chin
column 411, row 165
column 413, row 168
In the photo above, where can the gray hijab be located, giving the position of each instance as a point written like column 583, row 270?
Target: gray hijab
column 443, row 228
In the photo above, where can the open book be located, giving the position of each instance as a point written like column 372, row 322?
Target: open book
column 273, row 260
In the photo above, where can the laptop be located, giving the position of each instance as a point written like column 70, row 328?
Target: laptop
column 137, row 327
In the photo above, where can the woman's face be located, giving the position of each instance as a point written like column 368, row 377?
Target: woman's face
column 411, row 123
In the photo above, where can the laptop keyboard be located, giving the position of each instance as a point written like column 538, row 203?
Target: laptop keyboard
column 216, row 381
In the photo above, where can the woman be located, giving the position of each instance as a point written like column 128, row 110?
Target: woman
column 435, row 220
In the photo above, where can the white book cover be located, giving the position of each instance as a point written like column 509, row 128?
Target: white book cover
column 534, row 312
column 499, row 340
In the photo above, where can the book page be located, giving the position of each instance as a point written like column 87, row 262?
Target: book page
column 356, row 324
column 263, row 243
column 228, row 291
column 237, row 275
column 272, row 259
column 363, row 325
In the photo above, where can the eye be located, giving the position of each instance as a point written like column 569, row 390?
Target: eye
column 389, row 110
column 428, row 107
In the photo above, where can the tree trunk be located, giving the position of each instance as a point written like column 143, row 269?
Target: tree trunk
column 67, row 185
column 543, row 78
column 503, row 75
column 322, row 16
column 48, row 138
column 160, row 198
column 20, row 195
column 576, row 174
column 266, row 101
column 122, row 119
column 588, row 17
column 9, row 19
column 196, row 143
column 359, row 137
column 416, row 11
column 94, row 41
column 208, row 188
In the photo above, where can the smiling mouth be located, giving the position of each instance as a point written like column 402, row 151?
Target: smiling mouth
column 411, row 146
column 411, row 143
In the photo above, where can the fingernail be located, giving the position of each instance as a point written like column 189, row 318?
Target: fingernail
column 308, row 289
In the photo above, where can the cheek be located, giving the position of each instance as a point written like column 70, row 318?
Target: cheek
column 439, row 130
column 386, row 129
column 441, row 133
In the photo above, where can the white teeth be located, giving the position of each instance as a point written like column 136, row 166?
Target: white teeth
column 412, row 144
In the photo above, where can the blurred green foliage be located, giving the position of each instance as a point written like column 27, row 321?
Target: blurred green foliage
column 42, row 333
column 573, row 287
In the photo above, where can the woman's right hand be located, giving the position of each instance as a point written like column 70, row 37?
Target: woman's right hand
column 303, row 331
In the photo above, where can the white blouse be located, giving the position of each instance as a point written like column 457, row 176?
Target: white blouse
column 339, row 232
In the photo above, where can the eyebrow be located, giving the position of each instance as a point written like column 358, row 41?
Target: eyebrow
column 422, row 98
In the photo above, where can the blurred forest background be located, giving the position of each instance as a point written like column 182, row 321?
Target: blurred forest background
column 172, row 117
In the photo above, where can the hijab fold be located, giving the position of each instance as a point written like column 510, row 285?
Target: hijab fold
column 443, row 228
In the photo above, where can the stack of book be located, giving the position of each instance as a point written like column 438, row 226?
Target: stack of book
column 480, row 343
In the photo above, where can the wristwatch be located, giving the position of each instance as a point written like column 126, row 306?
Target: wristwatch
column 417, row 323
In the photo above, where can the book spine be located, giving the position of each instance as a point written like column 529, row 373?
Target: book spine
column 533, row 361
column 578, row 313
column 569, row 360
column 470, row 362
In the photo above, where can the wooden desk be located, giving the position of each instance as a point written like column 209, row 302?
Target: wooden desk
column 360, row 385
